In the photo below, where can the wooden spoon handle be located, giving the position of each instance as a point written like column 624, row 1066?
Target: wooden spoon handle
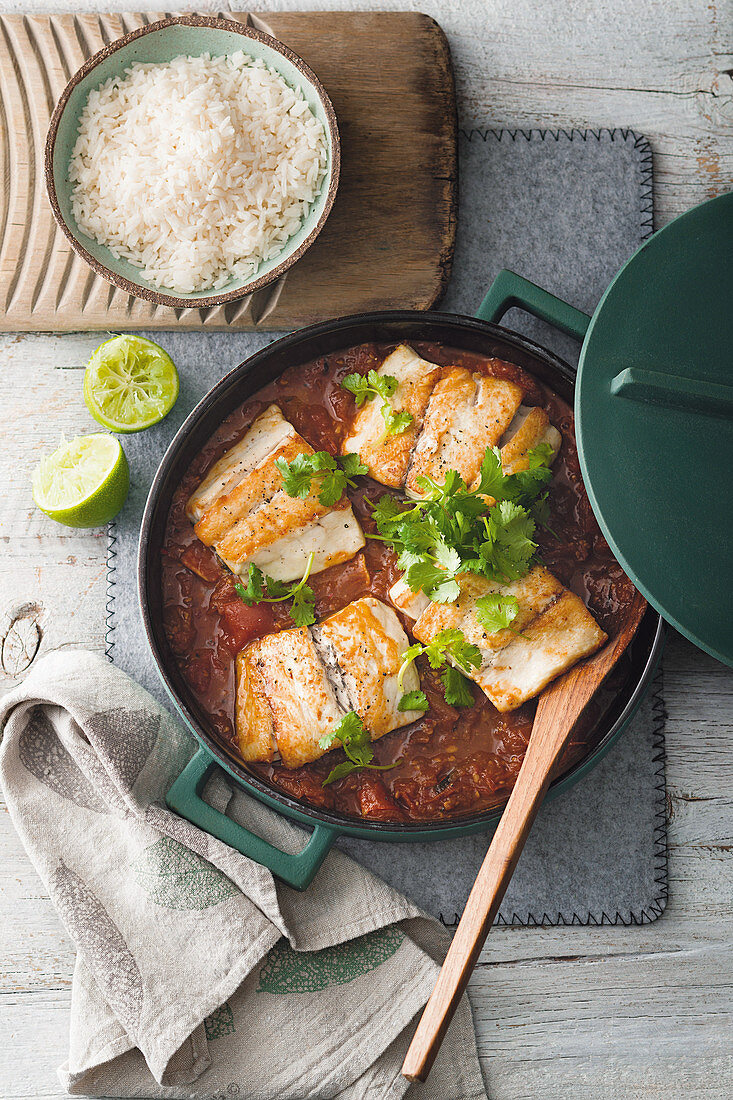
column 559, row 707
column 481, row 909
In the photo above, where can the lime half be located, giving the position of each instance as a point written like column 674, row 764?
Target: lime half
column 130, row 383
column 84, row 482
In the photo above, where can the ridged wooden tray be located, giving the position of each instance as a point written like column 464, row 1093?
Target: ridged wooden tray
column 387, row 244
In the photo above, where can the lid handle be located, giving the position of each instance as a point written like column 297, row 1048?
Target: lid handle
column 673, row 391
column 509, row 289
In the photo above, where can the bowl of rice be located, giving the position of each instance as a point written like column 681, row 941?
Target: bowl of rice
column 192, row 161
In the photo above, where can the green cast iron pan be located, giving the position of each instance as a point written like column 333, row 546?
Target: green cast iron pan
column 184, row 796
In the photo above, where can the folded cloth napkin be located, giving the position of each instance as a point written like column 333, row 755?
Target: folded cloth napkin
column 197, row 975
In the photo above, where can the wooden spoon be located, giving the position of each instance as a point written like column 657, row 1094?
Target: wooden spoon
column 559, row 707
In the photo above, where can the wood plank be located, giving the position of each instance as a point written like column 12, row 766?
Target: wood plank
column 388, row 242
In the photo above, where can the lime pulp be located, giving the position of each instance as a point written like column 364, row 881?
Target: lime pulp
column 84, row 482
column 130, row 383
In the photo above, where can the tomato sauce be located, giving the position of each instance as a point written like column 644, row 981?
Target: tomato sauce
column 452, row 761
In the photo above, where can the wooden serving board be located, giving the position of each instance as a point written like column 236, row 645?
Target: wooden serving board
column 387, row 244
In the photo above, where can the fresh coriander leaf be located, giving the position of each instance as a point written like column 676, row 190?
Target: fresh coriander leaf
column 359, row 752
column 387, row 510
column 252, row 592
column 383, row 384
column 437, row 585
column 346, row 767
column 349, row 728
column 423, row 575
column 457, row 688
column 407, row 658
column 277, row 590
column 395, row 422
column 355, row 741
column 333, row 487
column 473, row 565
column 447, row 557
column 541, row 455
column 451, row 645
column 420, row 535
column 525, row 485
column 408, row 558
column 448, row 645
column 298, row 474
column 495, row 611
column 366, row 387
column 515, row 528
column 322, row 460
column 337, row 478
column 378, row 385
column 334, row 476
column 358, row 385
column 508, row 547
column 352, row 465
column 451, row 529
column 447, row 591
column 491, row 476
column 540, row 512
column 413, row 700
column 302, row 608
column 436, row 651
column 435, row 490
column 521, row 487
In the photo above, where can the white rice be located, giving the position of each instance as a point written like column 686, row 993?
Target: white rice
column 196, row 170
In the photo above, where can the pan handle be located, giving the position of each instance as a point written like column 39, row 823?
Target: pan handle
column 509, row 289
column 296, row 869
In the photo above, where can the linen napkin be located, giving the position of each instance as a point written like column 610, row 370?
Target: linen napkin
column 197, row 975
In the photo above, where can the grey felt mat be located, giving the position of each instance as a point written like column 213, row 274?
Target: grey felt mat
column 565, row 210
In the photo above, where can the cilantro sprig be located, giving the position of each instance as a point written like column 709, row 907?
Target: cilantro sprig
column 365, row 387
column 496, row 611
column 258, row 583
column 333, row 475
column 447, row 646
column 488, row 530
column 413, row 700
column 354, row 740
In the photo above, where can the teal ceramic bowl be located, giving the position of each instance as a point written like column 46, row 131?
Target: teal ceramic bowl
column 159, row 42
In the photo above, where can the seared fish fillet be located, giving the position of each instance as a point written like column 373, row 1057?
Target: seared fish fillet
column 367, row 642
column 457, row 413
column 548, row 646
column 291, row 683
column 529, row 428
column 295, row 686
column 267, row 431
column 553, row 630
column 388, row 457
column 467, row 413
column 241, row 509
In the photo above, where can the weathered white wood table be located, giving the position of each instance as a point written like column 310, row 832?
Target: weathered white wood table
column 572, row 1013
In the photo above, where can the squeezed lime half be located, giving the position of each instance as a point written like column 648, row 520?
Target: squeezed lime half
column 130, row 384
column 84, row 482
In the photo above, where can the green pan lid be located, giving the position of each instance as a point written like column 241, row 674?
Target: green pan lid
column 654, row 422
